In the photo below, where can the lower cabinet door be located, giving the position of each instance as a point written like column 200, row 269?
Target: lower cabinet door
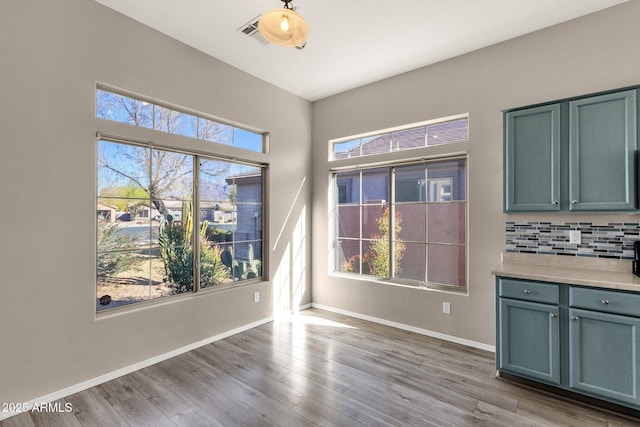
column 604, row 355
column 529, row 340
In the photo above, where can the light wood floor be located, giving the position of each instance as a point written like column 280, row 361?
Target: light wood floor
column 319, row 368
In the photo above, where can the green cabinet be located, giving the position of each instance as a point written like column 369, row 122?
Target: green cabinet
column 602, row 147
column 604, row 357
column 573, row 155
column 529, row 340
column 579, row 339
column 603, row 344
column 532, row 159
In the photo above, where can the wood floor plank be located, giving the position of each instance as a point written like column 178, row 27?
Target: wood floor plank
column 91, row 408
column 619, row 421
column 54, row 415
column 251, row 399
column 325, row 415
column 258, row 377
column 233, row 358
column 452, row 387
column 162, row 394
column 477, row 363
column 198, row 386
column 352, row 405
column 546, row 408
column 492, row 416
column 124, row 395
column 195, row 416
column 431, row 407
column 20, row 420
column 321, row 369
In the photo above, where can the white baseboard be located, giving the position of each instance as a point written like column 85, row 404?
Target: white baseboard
column 302, row 307
column 52, row 397
column 409, row 328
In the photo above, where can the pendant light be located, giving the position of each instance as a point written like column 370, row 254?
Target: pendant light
column 284, row 27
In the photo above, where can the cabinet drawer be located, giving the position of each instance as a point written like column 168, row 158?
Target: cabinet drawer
column 605, row 301
column 529, row 291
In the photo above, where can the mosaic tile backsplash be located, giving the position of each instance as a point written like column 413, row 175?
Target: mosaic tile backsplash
column 614, row 240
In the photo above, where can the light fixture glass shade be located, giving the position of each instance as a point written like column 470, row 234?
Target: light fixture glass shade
column 271, row 27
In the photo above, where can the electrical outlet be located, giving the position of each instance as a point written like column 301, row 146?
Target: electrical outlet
column 575, row 236
column 256, row 296
column 446, row 307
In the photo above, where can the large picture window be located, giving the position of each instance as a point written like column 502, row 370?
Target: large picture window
column 160, row 235
column 171, row 222
column 406, row 223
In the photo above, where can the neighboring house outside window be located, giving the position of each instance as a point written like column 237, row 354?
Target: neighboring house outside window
column 403, row 221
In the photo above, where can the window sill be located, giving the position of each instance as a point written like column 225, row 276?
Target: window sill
column 394, row 282
column 172, row 299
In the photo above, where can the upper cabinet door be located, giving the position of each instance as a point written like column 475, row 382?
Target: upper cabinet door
column 602, row 146
column 532, row 159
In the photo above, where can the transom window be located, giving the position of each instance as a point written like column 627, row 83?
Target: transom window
column 137, row 112
column 434, row 132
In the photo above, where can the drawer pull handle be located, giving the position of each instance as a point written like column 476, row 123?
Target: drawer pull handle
column 605, row 301
column 526, row 292
column 553, row 315
column 574, row 202
column 556, row 202
column 575, row 318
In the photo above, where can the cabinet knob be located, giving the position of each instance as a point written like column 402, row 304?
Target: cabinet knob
column 575, row 318
column 574, row 202
column 556, row 202
column 526, row 292
column 553, row 315
column 605, row 301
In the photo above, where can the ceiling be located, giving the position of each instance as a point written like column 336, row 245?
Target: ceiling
column 351, row 43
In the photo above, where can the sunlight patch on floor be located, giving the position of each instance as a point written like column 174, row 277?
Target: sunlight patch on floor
column 307, row 319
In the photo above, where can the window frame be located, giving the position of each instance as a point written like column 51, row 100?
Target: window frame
column 149, row 138
column 196, row 200
column 391, row 160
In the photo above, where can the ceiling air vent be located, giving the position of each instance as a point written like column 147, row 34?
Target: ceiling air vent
column 251, row 30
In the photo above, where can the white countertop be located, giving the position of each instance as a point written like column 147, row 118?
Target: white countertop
column 601, row 273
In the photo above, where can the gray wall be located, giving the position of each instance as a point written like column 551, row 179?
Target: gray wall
column 593, row 53
column 52, row 54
